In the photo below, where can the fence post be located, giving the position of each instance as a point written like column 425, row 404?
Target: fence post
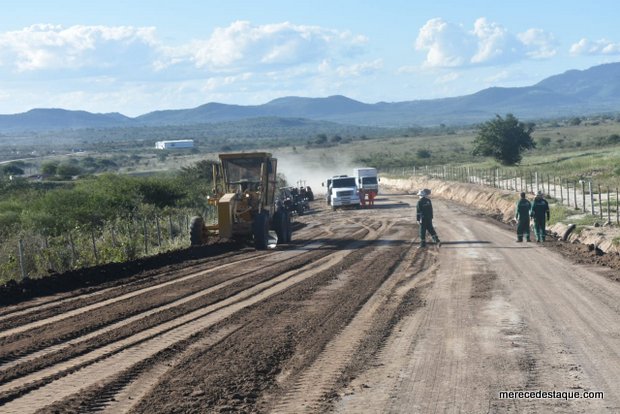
column 170, row 227
column 113, row 234
column 73, row 255
column 22, row 265
column 591, row 196
column 608, row 207
column 158, row 231
column 92, row 237
column 600, row 204
column 537, row 183
column 561, row 192
column 146, row 240
column 583, row 195
column 575, row 195
column 617, row 210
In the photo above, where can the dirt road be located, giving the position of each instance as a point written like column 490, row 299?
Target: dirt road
column 350, row 317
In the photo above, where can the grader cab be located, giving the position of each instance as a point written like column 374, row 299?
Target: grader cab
column 244, row 196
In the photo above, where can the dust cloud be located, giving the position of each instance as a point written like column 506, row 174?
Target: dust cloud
column 312, row 169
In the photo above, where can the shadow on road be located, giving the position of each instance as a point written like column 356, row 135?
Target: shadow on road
column 386, row 206
column 465, row 242
column 456, row 243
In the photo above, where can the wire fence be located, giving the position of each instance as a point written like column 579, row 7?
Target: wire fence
column 585, row 196
column 32, row 254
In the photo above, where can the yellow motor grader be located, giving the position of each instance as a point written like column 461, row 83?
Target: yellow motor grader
column 244, row 195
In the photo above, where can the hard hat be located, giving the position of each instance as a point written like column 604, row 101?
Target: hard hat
column 424, row 192
column 539, row 193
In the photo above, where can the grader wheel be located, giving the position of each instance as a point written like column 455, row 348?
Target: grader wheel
column 260, row 230
column 282, row 226
column 198, row 233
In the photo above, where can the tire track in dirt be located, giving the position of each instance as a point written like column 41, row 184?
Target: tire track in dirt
column 97, row 365
column 273, row 259
column 54, row 354
column 42, row 307
column 313, row 389
column 126, row 391
column 179, row 328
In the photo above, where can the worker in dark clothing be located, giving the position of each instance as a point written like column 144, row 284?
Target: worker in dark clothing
column 424, row 216
column 522, row 216
column 539, row 212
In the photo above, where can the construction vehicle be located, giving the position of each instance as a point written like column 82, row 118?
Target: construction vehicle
column 367, row 184
column 342, row 192
column 367, row 179
column 245, row 200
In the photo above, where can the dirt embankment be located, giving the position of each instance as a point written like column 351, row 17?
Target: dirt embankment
column 501, row 205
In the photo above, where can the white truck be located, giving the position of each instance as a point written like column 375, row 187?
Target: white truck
column 367, row 179
column 342, row 192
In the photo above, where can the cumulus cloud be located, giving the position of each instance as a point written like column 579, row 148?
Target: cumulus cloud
column 52, row 47
column 237, row 48
column 445, row 44
column 120, row 63
column 488, row 43
column 539, row 44
column 242, row 45
column 360, row 69
column 598, row 47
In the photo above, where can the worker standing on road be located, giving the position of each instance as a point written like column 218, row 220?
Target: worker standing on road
column 362, row 197
column 522, row 216
column 540, row 211
column 371, row 198
column 424, row 216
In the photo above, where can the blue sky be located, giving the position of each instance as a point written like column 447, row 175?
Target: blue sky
column 135, row 57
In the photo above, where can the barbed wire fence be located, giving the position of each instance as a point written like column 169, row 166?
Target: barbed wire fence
column 585, row 196
column 33, row 254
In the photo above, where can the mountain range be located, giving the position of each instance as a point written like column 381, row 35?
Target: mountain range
column 575, row 92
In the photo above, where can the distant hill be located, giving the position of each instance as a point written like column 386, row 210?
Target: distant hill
column 49, row 119
column 575, row 92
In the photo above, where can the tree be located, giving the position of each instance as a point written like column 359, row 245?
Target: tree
column 423, row 153
column 68, row 170
column 504, row 139
column 12, row 169
column 49, row 168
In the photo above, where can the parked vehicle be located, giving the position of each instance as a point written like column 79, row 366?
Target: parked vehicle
column 343, row 192
column 367, row 179
column 293, row 201
column 328, row 188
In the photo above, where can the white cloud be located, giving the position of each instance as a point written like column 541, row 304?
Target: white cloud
column 447, row 78
column 598, row 47
column 360, row 69
column 488, row 43
column 539, row 44
column 242, row 45
column 445, row 43
column 217, row 83
column 495, row 44
column 53, row 47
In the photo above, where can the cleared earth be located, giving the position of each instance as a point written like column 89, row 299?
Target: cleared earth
column 350, row 317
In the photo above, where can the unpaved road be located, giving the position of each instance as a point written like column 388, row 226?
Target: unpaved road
column 351, row 317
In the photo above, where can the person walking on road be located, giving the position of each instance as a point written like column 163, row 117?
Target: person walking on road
column 424, row 216
column 522, row 216
column 539, row 212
